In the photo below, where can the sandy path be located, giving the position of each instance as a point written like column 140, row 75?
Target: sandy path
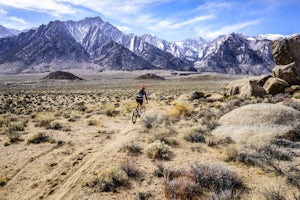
column 67, row 190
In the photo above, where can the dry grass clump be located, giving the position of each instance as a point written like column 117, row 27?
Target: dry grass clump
column 40, row 137
column 109, row 179
column 44, row 119
column 180, row 108
column 158, row 150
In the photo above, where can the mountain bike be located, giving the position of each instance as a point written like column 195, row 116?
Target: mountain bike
column 138, row 113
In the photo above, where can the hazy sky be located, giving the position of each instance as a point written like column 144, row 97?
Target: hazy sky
column 172, row 20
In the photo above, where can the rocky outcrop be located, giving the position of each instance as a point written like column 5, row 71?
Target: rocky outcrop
column 275, row 85
column 287, row 59
column 286, row 74
column 61, row 75
column 258, row 124
column 246, row 88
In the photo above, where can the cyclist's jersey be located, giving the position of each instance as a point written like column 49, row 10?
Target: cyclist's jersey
column 141, row 94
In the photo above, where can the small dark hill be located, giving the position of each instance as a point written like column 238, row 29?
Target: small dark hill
column 151, row 76
column 60, row 75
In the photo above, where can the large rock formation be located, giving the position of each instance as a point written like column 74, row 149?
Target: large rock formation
column 287, row 59
column 258, row 124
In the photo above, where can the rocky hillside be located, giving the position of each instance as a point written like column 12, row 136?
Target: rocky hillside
column 89, row 43
column 5, row 32
column 92, row 43
column 60, row 75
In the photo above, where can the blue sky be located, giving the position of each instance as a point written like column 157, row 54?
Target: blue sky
column 173, row 20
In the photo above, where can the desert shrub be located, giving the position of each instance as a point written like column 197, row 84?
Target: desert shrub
column 80, row 106
column 195, row 137
column 225, row 195
column 17, row 126
column 150, row 120
column 55, row 125
column 40, row 137
column 93, row 122
column 273, row 152
column 212, row 141
column 182, row 187
column 14, row 137
column 274, row 192
column 180, row 108
column 231, row 153
column 215, row 177
column 2, row 181
column 160, row 171
column 144, row 196
column 130, row 167
column 110, row 110
column 110, row 179
column 158, row 150
column 132, row 149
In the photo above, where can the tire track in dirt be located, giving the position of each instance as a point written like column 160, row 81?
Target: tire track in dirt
column 64, row 191
column 28, row 163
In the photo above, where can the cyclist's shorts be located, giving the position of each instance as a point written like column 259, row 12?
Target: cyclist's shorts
column 139, row 101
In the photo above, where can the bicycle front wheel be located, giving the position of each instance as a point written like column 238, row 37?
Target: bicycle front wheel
column 134, row 116
column 143, row 111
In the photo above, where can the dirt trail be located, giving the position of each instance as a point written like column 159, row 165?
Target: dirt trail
column 67, row 189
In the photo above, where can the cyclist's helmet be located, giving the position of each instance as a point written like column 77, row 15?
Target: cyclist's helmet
column 143, row 87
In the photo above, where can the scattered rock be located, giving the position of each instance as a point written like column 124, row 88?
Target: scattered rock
column 292, row 89
column 215, row 97
column 257, row 124
column 61, row 75
column 195, row 95
column 151, row 76
column 275, row 85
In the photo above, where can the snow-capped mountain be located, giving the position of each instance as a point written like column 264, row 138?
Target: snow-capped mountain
column 186, row 50
column 5, row 32
column 86, row 44
column 95, row 44
column 234, row 53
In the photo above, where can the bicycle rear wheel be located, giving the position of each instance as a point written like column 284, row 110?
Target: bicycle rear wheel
column 134, row 116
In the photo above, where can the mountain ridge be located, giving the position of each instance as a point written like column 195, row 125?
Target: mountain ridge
column 92, row 43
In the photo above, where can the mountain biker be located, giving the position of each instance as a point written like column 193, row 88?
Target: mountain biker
column 140, row 97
